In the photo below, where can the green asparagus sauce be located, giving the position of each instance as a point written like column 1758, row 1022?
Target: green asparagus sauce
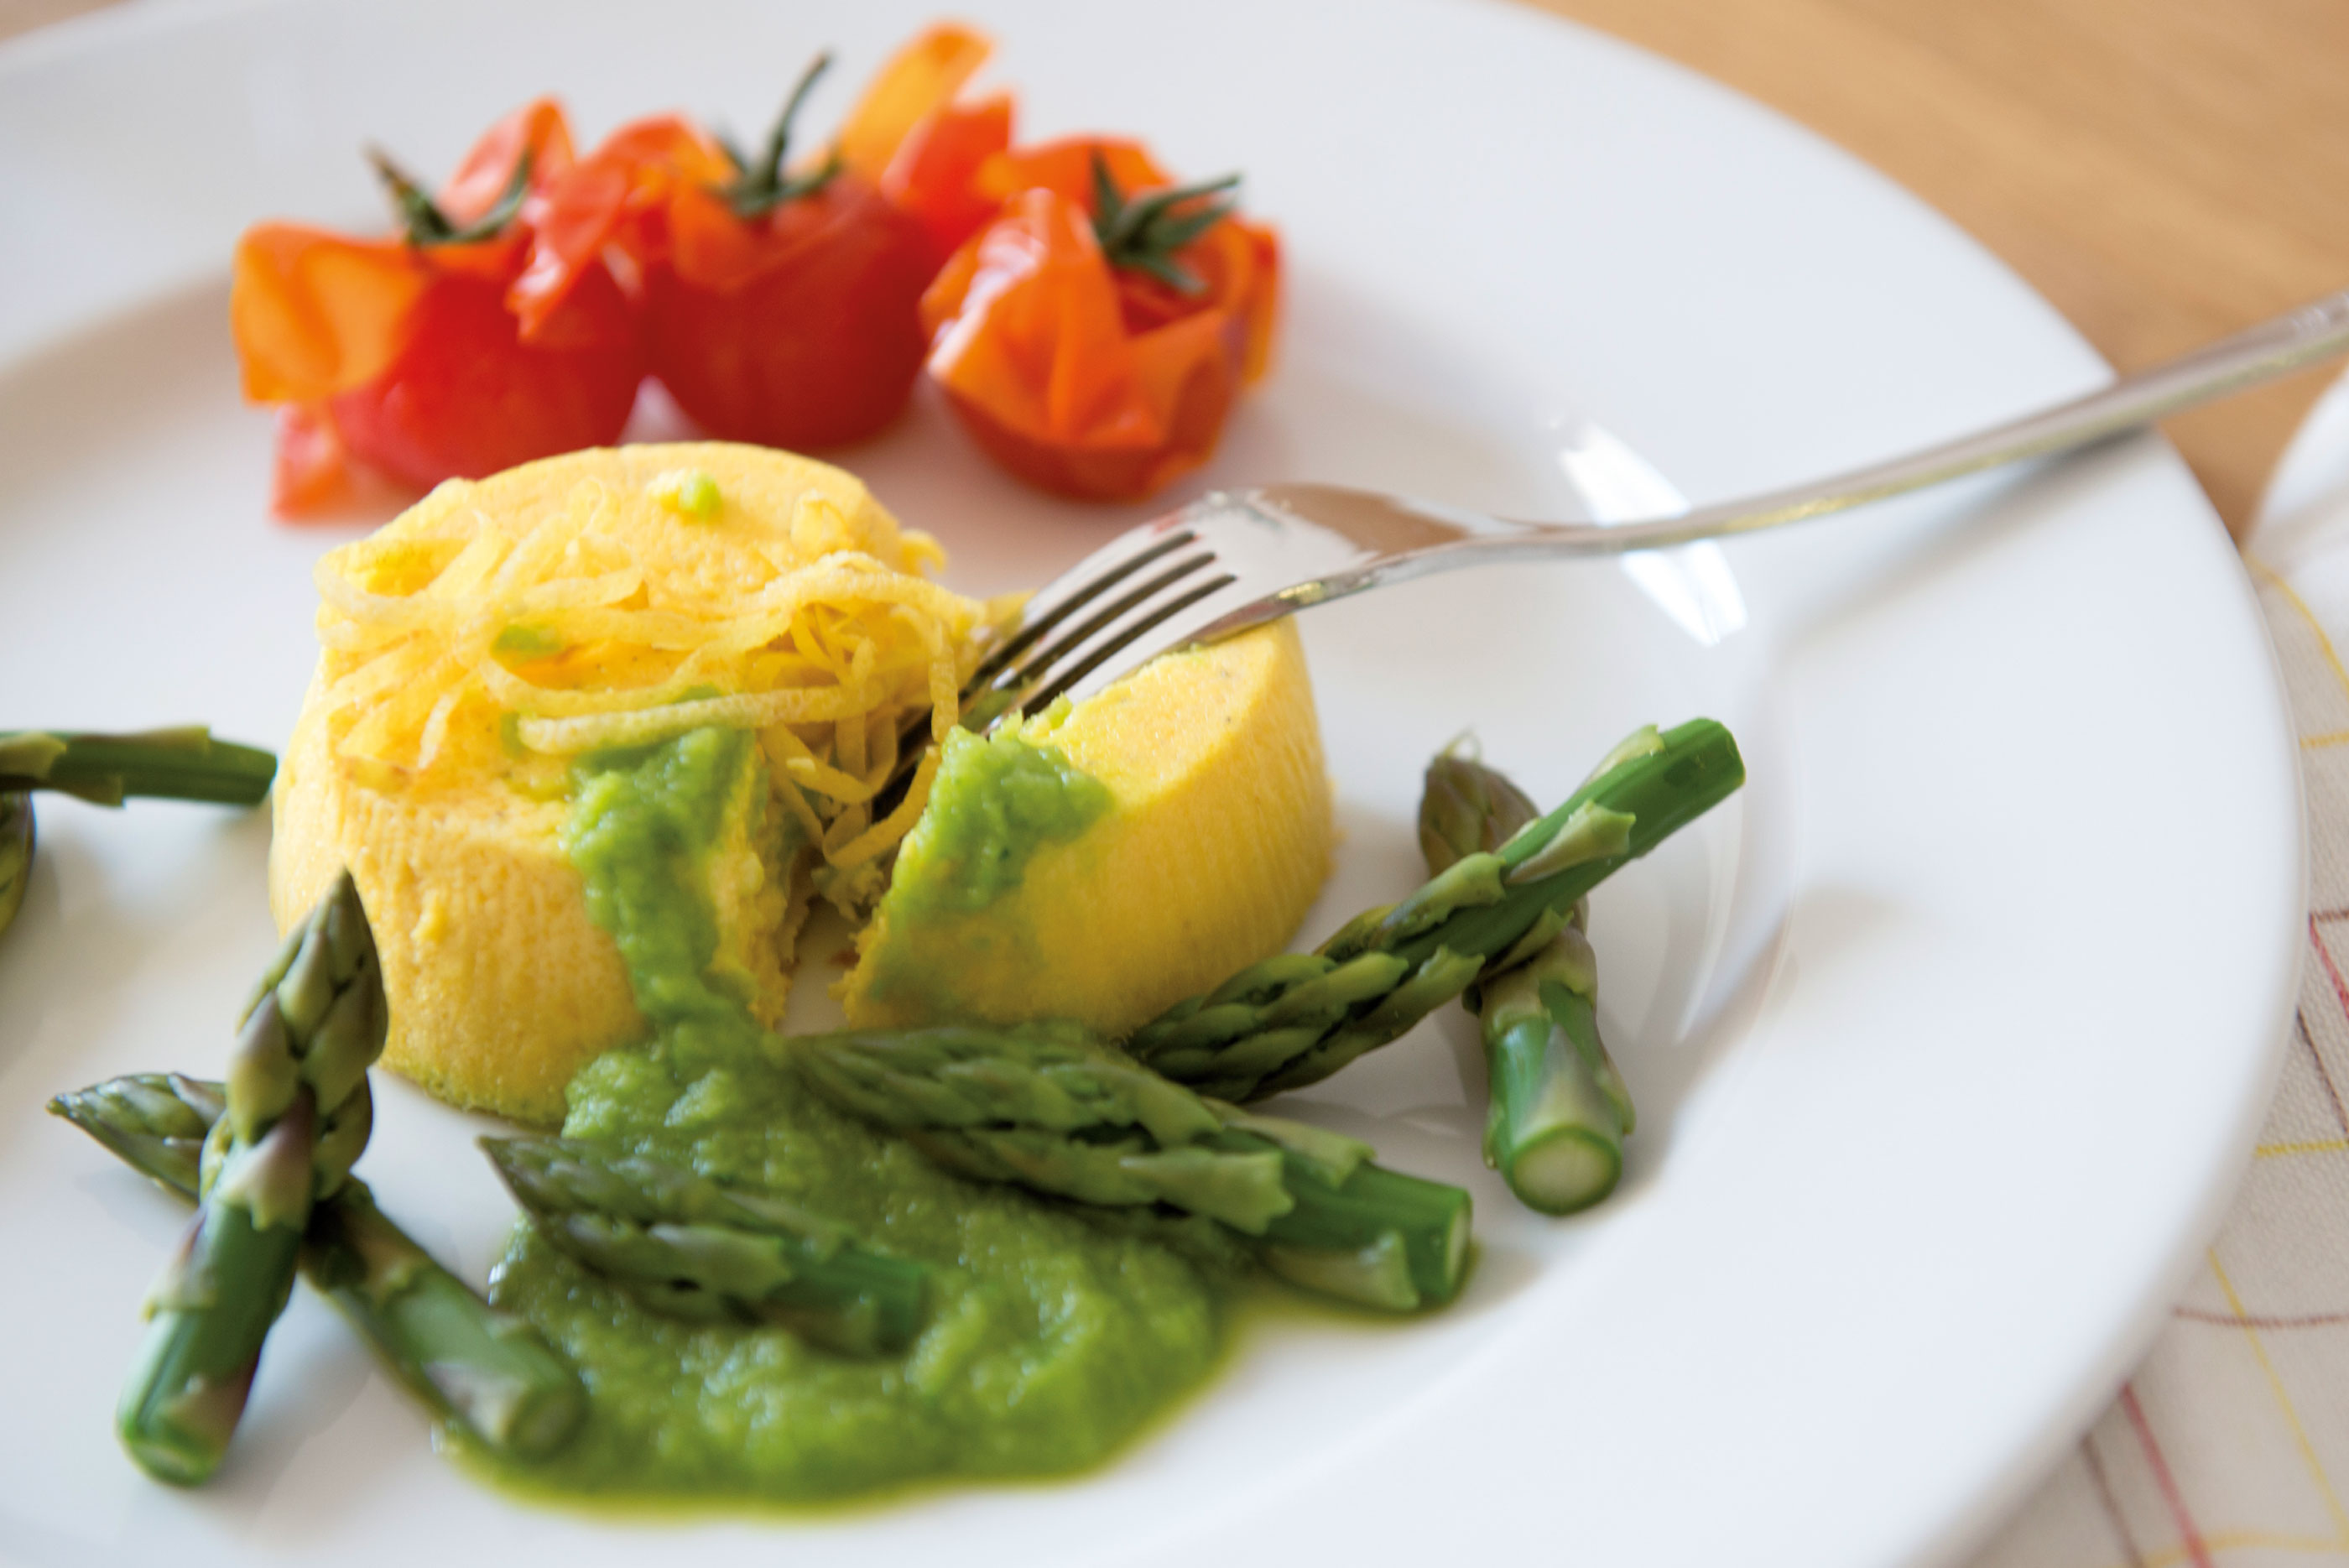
column 1050, row 1339
column 997, row 800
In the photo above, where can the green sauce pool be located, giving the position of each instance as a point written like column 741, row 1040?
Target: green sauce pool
column 1050, row 1340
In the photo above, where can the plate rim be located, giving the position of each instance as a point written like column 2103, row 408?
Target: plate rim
column 94, row 33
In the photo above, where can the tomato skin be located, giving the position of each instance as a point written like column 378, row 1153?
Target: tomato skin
column 466, row 397
column 400, row 354
column 934, row 175
column 1082, row 377
column 309, row 472
column 809, row 332
column 1109, row 474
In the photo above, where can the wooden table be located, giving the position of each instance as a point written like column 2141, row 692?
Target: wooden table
column 2164, row 170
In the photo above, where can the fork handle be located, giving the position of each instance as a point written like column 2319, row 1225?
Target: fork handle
column 2257, row 354
column 1416, row 540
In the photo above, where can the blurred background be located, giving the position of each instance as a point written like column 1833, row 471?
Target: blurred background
column 2163, row 171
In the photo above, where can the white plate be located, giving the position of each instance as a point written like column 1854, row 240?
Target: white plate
column 1949, row 1035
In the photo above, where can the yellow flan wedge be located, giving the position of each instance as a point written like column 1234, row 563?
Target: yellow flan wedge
column 1212, row 843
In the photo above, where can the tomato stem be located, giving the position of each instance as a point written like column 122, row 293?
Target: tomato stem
column 757, row 189
column 1144, row 235
column 425, row 223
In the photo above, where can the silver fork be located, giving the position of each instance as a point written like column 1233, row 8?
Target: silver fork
column 1237, row 559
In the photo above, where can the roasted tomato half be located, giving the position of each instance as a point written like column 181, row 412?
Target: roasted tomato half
column 797, row 326
column 781, row 299
column 402, row 354
column 469, row 396
column 1093, row 337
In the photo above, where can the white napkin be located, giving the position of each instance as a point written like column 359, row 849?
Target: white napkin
column 2229, row 1444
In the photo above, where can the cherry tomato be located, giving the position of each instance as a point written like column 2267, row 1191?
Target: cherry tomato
column 400, row 354
column 466, row 397
column 1092, row 337
column 801, row 328
column 921, row 147
column 782, row 300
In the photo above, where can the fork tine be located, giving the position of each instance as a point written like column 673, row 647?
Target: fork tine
column 1036, row 627
column 913, row 739
column 1043, row 662
column 1252, row 542
column 1065, row 599
column 1126, row 639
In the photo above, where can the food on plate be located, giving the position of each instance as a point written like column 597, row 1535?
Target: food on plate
column 1097, row 863
column 182, row 763
column 1052, row 1108
column 592, row 733
column 611, row 721
column 692, row 1249
column 589, row 735
column 402, row 355
column 1093, row 336
column 780, row 306
column 1085, row 1221
column 1053, row 1333
column 1466, row 808
column 1556, row 1111
column 477, row 646
column 921, row 143
column 1296, row 1018
column 486, row 1373
column 295, row 1112
column 776, row 303
column 480, row 644
column 801, row 1268
column 1090, row 320
column 788, row 310
column 780, row 301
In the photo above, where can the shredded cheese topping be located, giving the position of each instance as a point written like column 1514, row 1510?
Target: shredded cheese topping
column 466, row 639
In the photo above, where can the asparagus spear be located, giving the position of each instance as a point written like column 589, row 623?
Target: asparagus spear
column 482, row 1371
column 16, row 854
column 155, row 1123
column 1466, row 808
column 186, row 763
column 295, row 1114
column 181, row 763
column 1557, row 1110
column 691, row 1248
column 1297, row 1018
column 1051, row 1108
